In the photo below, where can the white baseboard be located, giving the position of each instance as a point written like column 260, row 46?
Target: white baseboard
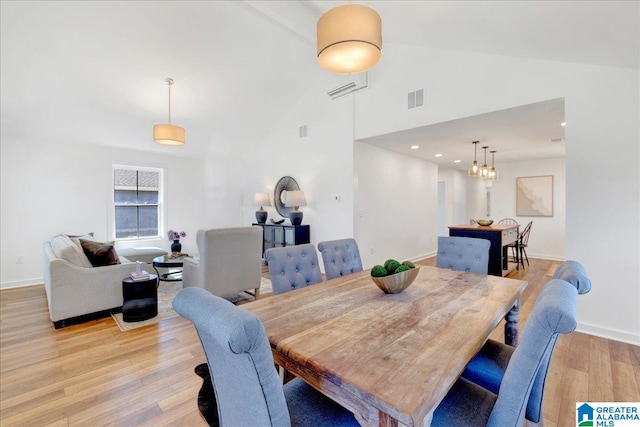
column 22, row 283
column 423, row 256
column 547, row 257
column 611, row 334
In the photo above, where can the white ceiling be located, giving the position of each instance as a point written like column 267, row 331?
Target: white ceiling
column 93, row 72
column 520, row 133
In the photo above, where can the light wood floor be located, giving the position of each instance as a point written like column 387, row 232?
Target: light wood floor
column 93, row 374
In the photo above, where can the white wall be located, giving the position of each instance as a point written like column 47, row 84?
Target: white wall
column 51, row 187
column 547, row 239
column 602, row 135
column 321, row 163
column 396, row 205
column 465, row 197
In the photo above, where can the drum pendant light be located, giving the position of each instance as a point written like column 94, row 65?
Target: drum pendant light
column 349, row 39
column 168, row 134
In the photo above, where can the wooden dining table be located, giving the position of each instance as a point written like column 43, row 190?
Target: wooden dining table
column 388, row 358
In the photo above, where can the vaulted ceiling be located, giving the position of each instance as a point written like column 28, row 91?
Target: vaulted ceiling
column 93, row 72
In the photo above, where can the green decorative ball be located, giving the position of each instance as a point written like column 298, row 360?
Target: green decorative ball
column 378, row 271
column 391, row 266
column 402, row 268
column 409, row 264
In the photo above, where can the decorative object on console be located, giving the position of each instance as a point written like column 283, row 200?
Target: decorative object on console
column 175, row 236
column 286, row 183
column 261, row 199
column 349, row 39
column 168, row 134
column 294, row 199
column 280, row 221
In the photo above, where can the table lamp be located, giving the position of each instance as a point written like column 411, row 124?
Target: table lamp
column 261, row 199
column 295, row 199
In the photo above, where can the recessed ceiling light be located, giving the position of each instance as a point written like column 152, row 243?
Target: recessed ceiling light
column 438, row 155
column 415, row 147
column 457, row 161
column 563, row 124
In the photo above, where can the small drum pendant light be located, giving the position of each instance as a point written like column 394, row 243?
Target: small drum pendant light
column 168, row 134
column 349, row 39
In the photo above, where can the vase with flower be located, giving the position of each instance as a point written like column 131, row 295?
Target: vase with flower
column 175, row 236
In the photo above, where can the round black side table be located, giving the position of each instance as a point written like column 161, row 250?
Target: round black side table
column 140, row 299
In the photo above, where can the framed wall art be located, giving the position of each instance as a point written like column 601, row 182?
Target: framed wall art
column 534, row 196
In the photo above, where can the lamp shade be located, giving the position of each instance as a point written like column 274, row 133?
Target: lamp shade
column 349, row 39
column 294, row 198
column 167, row 134
column 261, row 199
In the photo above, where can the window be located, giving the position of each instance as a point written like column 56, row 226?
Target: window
column 137, row 202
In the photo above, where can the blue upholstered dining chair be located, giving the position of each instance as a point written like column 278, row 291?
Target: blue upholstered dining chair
column 488, row 367
column 293, row 267
column 247, row 388
column 468, row 404
column 340, row 257
column 463, row 254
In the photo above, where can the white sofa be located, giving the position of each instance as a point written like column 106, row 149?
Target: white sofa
column 230, row 261
column 76, row 291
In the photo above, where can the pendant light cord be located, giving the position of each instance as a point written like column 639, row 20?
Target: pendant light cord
column 169, row 83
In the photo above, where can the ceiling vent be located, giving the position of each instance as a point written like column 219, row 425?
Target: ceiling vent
column 352, row 83
column 415, row 99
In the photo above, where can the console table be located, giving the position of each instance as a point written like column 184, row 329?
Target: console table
column 500, row 235
column 278, row 235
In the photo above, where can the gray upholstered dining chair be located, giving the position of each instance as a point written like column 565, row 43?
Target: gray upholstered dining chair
column 247, row 388
column 293, row 267
column 463, row 254
column 488, row 367
column 340, row 257
column 472, row 405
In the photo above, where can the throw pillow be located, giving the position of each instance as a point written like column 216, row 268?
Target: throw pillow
column 76, row 240
column 100, row 254
column 65, row 249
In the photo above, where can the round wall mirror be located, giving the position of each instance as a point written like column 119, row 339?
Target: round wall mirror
column 286, row 183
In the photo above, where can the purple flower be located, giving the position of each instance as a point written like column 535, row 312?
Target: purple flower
column 175, row 235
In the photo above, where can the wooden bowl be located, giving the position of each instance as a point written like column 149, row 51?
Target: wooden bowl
column 396, row 283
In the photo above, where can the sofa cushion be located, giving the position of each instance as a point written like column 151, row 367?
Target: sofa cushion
column 76, row 241
column 65, row 249
column 100, row 254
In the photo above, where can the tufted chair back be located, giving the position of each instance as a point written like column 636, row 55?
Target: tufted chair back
column 340, row 257
column 574, row 273
column 463, row 254
column 248, row 390
column 293, row 267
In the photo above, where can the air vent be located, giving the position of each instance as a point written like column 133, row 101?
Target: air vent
column 415, row 99
column 303, row 131
column 351, row 84
column 557, row 140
